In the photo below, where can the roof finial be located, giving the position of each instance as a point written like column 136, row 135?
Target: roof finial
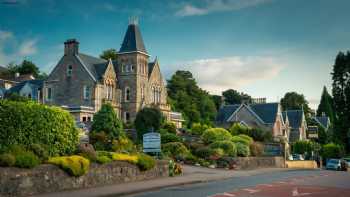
column 133, row 20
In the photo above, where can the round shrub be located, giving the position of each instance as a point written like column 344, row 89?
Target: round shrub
column 203, row 152
column 145, row 162
column 242, row 150
column 73, row 165
column 216, row 153
column 123, row 144
column 237, row 129
column 40, row 151
column 175, row 149
column 103, row 159
column 215, row 134
column 133, row 159
column 27, row 160
column 246, row 137
column 227, row 146
column 198, row 128
column 170, row 137
column 256, row 149
column 170, row 127
column 29, row 123
column 240, row 139
column 332, row 150
column 7, row 160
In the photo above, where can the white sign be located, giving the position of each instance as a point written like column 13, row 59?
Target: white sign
column 151, row 142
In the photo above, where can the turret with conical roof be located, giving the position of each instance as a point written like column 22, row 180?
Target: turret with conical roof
column 133, row 41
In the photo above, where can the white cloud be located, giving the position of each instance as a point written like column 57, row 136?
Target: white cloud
column 216, row 75
column 21, row 49
column 28, row 47
column 217, row 6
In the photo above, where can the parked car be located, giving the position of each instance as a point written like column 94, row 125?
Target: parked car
column 333, row 164
column 347, row 161
column 298, row 157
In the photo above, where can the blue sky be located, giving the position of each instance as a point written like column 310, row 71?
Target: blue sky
column 262, row 47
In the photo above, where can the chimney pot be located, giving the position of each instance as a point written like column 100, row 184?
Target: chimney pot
column 71, row 47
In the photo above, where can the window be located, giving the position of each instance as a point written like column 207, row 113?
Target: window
column 89, row 119
column 69, row 70
column 126, row 116
column 142, row 93
column 49, row 94
column 109, row 92
column 84, row 119
column 131, row 68
column 30, row 96
column 127, row 94
column 86, row 93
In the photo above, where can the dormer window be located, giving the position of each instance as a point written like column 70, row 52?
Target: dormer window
column 69, row 70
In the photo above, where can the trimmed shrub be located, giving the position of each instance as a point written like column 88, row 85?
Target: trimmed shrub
column 26, row 160
column 261, row 135
column 170, row 137
column 175, row 149
column 217, row 153
column 246, row 137
column 146, row 119
column 242, row 150
column 198, row 128
column 237, row 129
column 170, row 127
column 190, row 159
column 256, row 149
column 240, row 139
column 332, row 150
column 103, row 159
column 7, row 160
column 74, row 165
column 123, row 144
column 40, row 151
column 133, row 159
column 203, row 152
column 106, row 121
column 145, row 162
column 215, row 134
column 227, row 146
column 30, row 123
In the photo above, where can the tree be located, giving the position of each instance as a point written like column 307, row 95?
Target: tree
column 341, row 98
column 194, row 103
column 326, row 105
column 234, row 97
column 147, row 119
column 295, row 101
column 109, row 54
column 26, row 67
column 217, row 101
column 106, row 120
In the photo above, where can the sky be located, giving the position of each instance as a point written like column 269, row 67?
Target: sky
column 261, row 47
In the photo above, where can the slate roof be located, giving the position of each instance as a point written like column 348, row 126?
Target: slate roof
column 96, row 66
column 323, row 120
column 150, row 67
column 266, row 111
column 133, row 40
column 295, row 118
column 225, row 112
column 18, row 87
column 3, row 69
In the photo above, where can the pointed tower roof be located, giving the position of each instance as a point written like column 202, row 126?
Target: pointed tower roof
column 133, row 41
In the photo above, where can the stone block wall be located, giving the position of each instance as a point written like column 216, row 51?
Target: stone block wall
column 259, row 162
column 49, row 178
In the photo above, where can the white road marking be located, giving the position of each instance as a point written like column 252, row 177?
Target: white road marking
column 268, row 185
column 296, row 193
column 223, row 194
column 251, row 191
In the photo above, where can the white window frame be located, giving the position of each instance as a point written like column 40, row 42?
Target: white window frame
column 47, row 95
column 86, row 92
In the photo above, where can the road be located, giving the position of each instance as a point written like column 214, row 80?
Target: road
column 294, row 183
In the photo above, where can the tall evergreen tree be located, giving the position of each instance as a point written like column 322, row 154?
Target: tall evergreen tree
column 326, row 105
column 341, row 97
column 295, row 101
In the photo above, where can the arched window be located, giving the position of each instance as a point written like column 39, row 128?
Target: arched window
column 127, row 94
column 142, row 92
column 69, row 70
column 126, row 116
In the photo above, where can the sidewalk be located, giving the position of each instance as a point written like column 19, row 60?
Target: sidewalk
column 191, row 175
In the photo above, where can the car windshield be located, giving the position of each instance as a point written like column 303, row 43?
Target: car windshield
column 334, row 161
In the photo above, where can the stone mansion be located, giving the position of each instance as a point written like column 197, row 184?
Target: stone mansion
column 81, row 83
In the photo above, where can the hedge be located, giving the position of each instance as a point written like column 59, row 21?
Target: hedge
column 73, row 165
column 227, row 146
column 28, row 123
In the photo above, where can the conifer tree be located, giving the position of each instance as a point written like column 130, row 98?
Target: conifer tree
column 326, row 105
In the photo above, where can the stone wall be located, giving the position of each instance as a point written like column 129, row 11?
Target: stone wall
column 259, row 162
column 50, row 178
column 301, row 164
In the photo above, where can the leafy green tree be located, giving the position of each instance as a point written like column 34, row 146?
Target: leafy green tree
column 295, row 101
column 332, row 150
column 109, row 54
column 147, row 119
column 341, row 98
column 26, row 67
column 234, row 97
column 106, row 120
column 217, row 101
column 194, row 103
column 326, row 105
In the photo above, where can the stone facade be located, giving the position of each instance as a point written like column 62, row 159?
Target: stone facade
column 49, row 178
column 135, row 81
column 259, row 162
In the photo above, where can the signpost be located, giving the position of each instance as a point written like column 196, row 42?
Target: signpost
column 151, row 142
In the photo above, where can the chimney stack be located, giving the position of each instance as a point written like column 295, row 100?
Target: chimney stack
column 71, row 47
